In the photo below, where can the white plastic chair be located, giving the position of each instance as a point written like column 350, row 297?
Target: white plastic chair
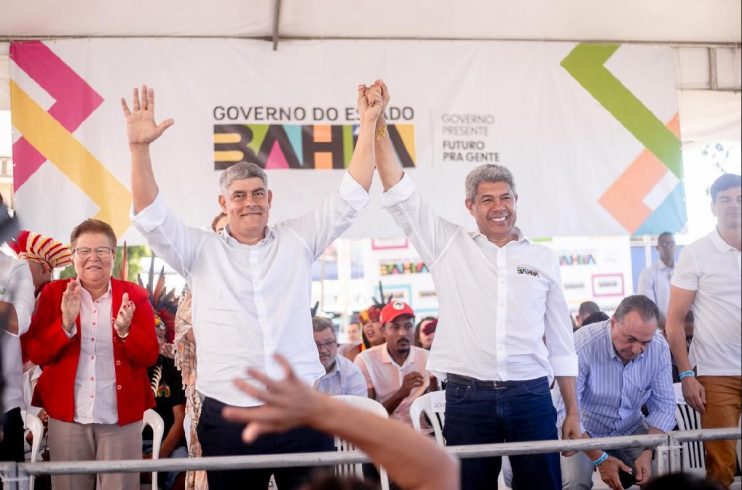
column 433, row 405
column 341, row 445
column 688, row 419
column 33, row 424
column 153, row 419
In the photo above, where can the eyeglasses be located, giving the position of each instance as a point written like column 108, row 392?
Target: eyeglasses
column 326, row 345
column 85, row 252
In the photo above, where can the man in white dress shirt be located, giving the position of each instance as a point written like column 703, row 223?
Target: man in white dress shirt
column 503, row 329
column 654, row 281
column 250, row 283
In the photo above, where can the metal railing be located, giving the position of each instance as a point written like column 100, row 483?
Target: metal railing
column 668, row 456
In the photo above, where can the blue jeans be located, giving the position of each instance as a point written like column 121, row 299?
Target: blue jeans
column 523, row 412
column 219, row 437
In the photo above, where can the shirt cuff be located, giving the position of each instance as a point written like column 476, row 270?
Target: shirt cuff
column 662, row 421
column 564, row 365
column 352, row 192
column 401, row 191
column 152, row 216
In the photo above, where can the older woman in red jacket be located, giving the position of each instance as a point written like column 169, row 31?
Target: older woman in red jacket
column 94, row 338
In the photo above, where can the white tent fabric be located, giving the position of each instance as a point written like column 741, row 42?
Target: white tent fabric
column 684, row 23
column 708, row 116
column 662, row 21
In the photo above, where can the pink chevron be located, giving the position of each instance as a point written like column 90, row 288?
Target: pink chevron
column 75, row 100
column 276, row 158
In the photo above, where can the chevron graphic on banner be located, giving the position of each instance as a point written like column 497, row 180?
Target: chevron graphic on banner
column 648, row 197
column 48, row 135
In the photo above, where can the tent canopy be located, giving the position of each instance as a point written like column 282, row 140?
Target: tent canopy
column 662, row 21
column 707, row 34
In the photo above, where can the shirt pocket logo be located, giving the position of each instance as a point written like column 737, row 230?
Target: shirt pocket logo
column 525, row 270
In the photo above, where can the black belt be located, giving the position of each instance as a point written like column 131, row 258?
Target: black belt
column 482, row 384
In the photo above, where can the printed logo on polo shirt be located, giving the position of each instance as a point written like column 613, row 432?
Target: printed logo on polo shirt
column 522, row 269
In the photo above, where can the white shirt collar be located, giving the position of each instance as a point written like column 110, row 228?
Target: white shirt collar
column 719, row 242
column 519, row 236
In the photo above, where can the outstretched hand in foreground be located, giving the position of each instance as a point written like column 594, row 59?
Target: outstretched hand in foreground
column 413, row 461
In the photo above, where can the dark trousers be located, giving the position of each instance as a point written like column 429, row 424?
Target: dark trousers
column 219, row 437
column 523, row 412
column 11, row 447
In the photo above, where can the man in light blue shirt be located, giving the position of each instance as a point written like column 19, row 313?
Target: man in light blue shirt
column 342, row 377
column 654, row 281
column 624, row 364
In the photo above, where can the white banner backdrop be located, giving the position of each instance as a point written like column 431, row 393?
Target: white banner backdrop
column 590, row 131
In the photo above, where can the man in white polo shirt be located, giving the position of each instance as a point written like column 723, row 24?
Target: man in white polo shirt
column 707, row 279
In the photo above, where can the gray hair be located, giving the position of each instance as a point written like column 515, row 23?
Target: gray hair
column 241, row 171
column 489, row 172
column 320, row 324
column 645, row 307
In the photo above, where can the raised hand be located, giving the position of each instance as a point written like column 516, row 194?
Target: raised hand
column 140, row 120
column 370, row 103
column 71, row 303
column 385, row 99
column 122, row 322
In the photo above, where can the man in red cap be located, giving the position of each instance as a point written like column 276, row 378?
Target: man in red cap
column 395, row 371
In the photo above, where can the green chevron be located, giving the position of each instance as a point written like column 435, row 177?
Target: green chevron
column 585, row 64
column 258, row 135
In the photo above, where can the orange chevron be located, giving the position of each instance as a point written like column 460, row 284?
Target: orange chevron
column 60, row 147
column 624, row 199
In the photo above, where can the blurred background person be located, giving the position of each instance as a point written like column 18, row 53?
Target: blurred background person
column 342, row 377
column 425, row 332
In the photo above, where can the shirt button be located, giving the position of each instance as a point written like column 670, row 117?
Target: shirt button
column 92, row 378
column 92, row 339
column 92, row 396
column 118, row 387
column 92, row 358
column 118, row 363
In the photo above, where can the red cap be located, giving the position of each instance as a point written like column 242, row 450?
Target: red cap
column 393, row 310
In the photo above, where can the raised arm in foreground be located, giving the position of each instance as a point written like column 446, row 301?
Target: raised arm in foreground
column 412, row 460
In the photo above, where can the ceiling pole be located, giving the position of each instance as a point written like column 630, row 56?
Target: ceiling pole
column 713, row 70
column 276, row 16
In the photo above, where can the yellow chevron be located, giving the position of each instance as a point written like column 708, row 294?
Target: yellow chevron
column 60, row 147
